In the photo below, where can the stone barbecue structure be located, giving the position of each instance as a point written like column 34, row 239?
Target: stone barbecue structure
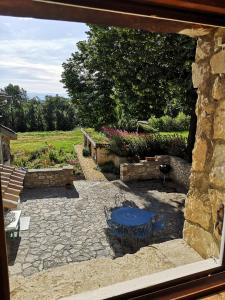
column 149, row 169
column 207, row 181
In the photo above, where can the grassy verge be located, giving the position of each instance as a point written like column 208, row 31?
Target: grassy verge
column 182, row 133
column 46, row 149
column 97, row 136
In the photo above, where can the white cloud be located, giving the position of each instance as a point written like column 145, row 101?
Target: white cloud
column 32, row 56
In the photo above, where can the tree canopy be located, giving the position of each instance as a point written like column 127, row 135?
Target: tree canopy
column 118, row 76
column 23, row 114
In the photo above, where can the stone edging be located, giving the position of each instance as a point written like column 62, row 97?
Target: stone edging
column 49, row 177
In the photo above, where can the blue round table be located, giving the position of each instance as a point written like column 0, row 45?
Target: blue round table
column 131, row 216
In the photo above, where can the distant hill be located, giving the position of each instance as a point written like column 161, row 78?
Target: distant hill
column 41, row 96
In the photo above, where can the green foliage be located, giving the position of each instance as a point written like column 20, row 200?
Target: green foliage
column 97, row 136
column 166, row 123
column 86, row 152
column 109, row 168
column 47, row 149
column 48, row 156
column 23, row 114
column 149, row 145
column 119, row 76
column 31, row 141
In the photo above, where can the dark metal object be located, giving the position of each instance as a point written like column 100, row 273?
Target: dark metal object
column 164, row 169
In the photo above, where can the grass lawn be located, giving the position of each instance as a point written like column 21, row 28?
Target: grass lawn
column 28, row 148
column 97, row 136
column 182, row 133
column 31, row 141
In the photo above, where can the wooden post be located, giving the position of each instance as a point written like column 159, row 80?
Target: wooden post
column 4, row 277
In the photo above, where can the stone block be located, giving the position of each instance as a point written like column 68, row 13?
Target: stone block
column 198, row 209
column 218, row 91
column 199, row 181
column 200, row 240
column 219, row 124
column 200, row 74
column 216, row 199
column 205, row 103
column 205, row 124
column 204, row 49
column 217, row 174
column 217, row 63
column 199, row 155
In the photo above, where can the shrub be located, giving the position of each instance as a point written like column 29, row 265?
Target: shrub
column 109, row 168
column 46, row 157
column 167, row 123
column 142, row 145
column 37, row 153
column 53, row 156
column 86, row 152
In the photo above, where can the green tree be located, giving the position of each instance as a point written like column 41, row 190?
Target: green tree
column 34, row 115
column 119, row 76
column 13, row 115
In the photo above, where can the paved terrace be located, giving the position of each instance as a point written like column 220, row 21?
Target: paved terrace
column 68, row 225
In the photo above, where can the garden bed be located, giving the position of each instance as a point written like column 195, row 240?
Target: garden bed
column 51, row 149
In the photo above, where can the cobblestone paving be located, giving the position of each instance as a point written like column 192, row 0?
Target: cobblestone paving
column 68, row 225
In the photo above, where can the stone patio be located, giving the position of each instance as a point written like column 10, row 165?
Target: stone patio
column 68, row 225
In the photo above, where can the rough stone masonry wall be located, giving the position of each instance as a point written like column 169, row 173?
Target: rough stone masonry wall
column 180, row 171
column 143, row 170
column 49, row 177
column 207, row 181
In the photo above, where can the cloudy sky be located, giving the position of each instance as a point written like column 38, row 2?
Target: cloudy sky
column 32, row 52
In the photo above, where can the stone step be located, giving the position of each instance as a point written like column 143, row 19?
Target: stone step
column 9, row 203
column 16, row 178
column 9, row 196
column 15, row 186
column 5, row 175
column 13, row 191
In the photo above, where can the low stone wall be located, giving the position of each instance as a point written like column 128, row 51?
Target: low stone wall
column 49, row 177
column 180, row 171
column 143, row 170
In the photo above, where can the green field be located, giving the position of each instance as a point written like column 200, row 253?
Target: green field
column 31, row 141
column 45, row 149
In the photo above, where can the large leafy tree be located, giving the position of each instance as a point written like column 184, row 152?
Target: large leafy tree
column 119, row 76
column 132, row 72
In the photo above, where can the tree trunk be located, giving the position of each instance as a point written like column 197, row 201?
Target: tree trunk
column 191, row 135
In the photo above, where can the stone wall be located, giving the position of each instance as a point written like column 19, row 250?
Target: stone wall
column 143, row 170
column 207, row 181
column 180, row 171
column 49, row 177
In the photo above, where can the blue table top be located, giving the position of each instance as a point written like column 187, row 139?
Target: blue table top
column 130, row 216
